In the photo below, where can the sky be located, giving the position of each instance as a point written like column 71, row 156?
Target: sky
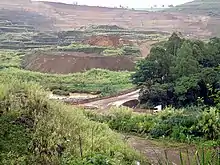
column 125, row 3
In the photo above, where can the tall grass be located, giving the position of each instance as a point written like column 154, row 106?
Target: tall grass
column 179, row 125
column 93, row 81
column 55, row 133
column 10, row 59
column 199, row 156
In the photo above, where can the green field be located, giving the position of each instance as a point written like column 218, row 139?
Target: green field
column 99, row 81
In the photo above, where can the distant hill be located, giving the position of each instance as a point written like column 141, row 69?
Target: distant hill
column 206, row 7
column 27, row 15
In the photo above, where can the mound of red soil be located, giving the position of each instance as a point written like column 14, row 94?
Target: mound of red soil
column 107, row 41
column 64, row 63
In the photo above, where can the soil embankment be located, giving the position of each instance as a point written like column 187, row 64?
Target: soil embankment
column 64, row 63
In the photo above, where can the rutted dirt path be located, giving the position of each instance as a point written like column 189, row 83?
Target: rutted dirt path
column 155, row 151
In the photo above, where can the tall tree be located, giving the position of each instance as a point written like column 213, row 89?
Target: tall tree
column 185, row 64
column 153, row 69
column 174, row 43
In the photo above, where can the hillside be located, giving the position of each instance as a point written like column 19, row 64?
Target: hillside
column 206, row 7
column 58, row 16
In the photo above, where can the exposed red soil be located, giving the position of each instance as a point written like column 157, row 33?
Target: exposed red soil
column 68, row 17
column 71, row 62
column 108, row 41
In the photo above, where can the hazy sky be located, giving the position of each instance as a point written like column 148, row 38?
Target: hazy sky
column 130, row 3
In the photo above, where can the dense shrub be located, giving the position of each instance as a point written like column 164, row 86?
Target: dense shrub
column 61, row 92
column 83, row 48
column 132, row 51
column 181, row 125
column 113, row 52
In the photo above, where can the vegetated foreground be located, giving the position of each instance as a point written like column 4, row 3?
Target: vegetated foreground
column 198, row 129
column 71, row 62
column 35, row 130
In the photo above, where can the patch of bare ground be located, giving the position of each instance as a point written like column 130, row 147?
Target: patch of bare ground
column 68, row 17
column 107, row 41
column 71, row 62
column 145, row 47
column 157, row 152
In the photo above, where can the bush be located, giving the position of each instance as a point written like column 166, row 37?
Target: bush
column 95, row 80
column 209, row 124
column 131, row 51
column 61, row 92
column 113, row 52
column 83, row 48
column 181, row 125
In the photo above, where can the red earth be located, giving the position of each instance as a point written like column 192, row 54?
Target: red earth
column 70, row 62
column 69, row 17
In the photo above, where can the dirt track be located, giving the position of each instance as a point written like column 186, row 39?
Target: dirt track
column 155, row 152
column 145, row 47
column 113, row 101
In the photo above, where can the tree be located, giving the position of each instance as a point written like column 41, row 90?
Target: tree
column 185, row 64
column 154, row 69
column 171, row 5
column 182, row 72
column 162, row 60
column 174, row 43
column 146, row 73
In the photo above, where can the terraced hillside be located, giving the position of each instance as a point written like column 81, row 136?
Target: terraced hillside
column 60, row 16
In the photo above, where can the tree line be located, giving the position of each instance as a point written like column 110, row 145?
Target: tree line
column 180, row 73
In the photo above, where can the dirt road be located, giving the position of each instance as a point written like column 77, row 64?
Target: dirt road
column 155, row 151
column 113, row 101
column 145, row 47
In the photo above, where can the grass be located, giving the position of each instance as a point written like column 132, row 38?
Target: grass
column 106, row 51
column 35, row 130
column 93, row 81
column 178, row 125
column 10, row 59
column 96, row 81
column 75, row 47
column 207, row 7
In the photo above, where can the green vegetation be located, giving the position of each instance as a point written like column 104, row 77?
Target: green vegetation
column 203, row 155
column 34, row 130
column 93, row 81
column 113, row 52
column 183, row 125
column 10, row 59
column 76, row 47
column 207, row 7
column 107, row 51
column 182, row 73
